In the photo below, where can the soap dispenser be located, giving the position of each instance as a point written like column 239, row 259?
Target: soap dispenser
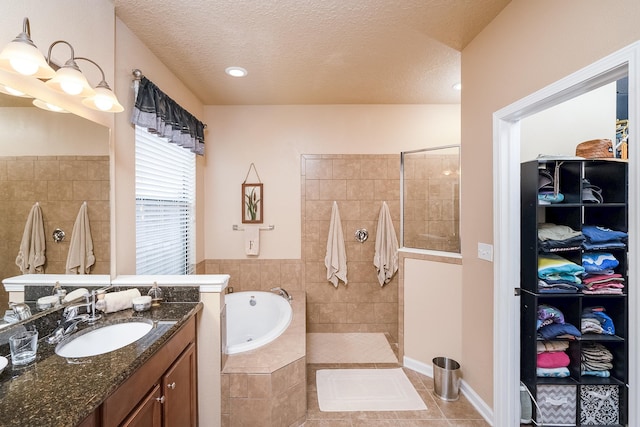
column 59, row 292
column 156, row 295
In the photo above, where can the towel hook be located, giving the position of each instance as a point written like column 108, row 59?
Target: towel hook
column 362, row 235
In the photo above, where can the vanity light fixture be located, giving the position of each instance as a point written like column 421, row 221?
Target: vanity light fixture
column 103, row 99
column 69, row 79
column 236, row 71
column 21, row 56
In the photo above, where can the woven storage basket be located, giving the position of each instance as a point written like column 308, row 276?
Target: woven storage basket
column 595, row 149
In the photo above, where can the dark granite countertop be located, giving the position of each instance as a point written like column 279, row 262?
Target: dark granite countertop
column 54, row 391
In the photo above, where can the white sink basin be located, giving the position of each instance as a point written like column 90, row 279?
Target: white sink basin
column 103, row 339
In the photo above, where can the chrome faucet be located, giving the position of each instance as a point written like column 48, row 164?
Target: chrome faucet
column 21, row 310
column 283, row 293
column 71, row 317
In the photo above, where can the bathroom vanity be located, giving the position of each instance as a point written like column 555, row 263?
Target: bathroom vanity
column 150, row 382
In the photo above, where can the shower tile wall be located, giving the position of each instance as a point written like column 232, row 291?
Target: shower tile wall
column 60, row 184
column 359, row 183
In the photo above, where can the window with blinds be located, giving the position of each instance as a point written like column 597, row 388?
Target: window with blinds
column 165, row 206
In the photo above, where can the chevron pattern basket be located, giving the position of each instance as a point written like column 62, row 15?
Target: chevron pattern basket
column 557, row 405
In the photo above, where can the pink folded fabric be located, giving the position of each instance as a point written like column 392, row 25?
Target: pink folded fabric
column 553, row 359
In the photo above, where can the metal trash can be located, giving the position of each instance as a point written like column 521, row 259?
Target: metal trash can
column 446, row 378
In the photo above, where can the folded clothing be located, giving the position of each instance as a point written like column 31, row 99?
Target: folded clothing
column 594, row 262
column 552, row 359
column 603, row 374
column 595, row 357
column 556, row 330
column 553, row 372
column 554, row 267
column 597, row 234
column 549, row 231
column 552, row 345
column 546, row 311
column 598, row 314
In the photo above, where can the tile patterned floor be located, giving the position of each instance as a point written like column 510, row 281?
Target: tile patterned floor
column 439, row 413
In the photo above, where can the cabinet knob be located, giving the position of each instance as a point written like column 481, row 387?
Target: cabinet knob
column 172, row 385
column 160, row 399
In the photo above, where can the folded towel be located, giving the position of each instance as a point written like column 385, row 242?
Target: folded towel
column 31, row 256
column 252, row 239
column 336, row 256
column 116, row 301
column 80, row 257
column 385, row 258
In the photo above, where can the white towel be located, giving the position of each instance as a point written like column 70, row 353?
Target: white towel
column 252, row 239
column 31, row 256
column 385, row 257
column 336, row 258
column 116, row 301
column 80, row 257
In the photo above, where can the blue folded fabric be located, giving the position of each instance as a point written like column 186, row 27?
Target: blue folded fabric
column 593, row 262
column 596, row 234
column 605, row 321
column 554, row 330
column 553, row 372
column 554, row 267
column 603, row 374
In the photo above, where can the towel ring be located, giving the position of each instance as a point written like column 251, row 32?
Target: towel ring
column 362, row 235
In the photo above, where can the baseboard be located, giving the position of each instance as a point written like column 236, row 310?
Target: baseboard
column 480, row 405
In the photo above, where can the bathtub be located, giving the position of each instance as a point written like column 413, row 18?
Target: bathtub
column 255, row 318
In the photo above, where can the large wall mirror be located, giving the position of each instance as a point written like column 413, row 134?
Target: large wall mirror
column 59, row 161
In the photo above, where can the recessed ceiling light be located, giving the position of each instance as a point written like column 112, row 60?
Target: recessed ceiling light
column 236, row 71
column 457, row 86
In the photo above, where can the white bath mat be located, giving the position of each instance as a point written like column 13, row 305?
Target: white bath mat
column 366, row 390
column 354, row 347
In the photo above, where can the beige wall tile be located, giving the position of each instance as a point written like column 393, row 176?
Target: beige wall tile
column 318, row 169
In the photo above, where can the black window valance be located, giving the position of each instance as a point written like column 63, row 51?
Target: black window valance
column 161, row 115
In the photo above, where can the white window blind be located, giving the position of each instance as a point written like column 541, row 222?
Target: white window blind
column 165, row 212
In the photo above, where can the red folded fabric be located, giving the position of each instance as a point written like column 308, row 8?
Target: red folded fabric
column 553, row 359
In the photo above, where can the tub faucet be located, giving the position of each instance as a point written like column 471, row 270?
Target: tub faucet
column 282, row 293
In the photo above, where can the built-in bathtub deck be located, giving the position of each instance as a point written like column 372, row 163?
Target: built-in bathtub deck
column 267, row 386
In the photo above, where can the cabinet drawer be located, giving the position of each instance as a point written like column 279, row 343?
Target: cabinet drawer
column 557, row 405
column 599, row 405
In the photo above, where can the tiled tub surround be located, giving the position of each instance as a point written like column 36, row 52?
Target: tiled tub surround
column 52, row 392
column 60, row 184
column 266, row 387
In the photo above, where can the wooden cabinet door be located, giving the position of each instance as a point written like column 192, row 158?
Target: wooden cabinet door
column 180, row 392
column 148, row 413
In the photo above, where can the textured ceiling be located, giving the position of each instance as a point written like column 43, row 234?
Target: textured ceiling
column 312, row 51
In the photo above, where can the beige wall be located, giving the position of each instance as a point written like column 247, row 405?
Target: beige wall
column 528, row 46
column 131, row 53
column 274, row 138
column 432, row 309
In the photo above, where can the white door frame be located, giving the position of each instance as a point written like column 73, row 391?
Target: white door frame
column 506, row 226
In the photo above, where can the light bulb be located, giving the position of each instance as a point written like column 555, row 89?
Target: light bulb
column 24, row 66
column 103, row 103
column 71, row 87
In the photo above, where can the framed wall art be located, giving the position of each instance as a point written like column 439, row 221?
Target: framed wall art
column 252, row 202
